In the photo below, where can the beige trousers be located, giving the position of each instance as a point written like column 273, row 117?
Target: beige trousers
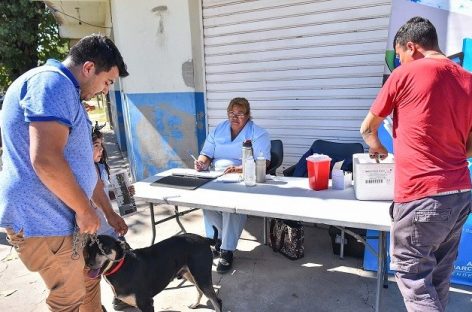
column 70, row 289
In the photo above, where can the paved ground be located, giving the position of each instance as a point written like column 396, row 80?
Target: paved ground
column 261, row 280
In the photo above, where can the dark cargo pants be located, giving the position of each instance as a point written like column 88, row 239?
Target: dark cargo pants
column 425, row 235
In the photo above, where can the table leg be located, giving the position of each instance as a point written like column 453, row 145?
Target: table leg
column 380, row 269
column 385, row 278
column 177, row 214
column 341, row 246
column 264, row 231
column 177, row 218
column 153, row 223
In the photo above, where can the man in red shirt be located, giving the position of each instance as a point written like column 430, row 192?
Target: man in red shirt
column 431, row 101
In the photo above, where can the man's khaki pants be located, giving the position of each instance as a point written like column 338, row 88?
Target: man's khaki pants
column 70, row 289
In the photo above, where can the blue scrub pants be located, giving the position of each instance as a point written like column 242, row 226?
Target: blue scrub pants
column 229, row 225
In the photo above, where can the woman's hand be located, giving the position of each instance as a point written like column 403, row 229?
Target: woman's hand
column 202, row 163
column 199, row 165
column 234, row 169
column 131, row 190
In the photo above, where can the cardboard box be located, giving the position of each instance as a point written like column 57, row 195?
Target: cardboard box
column 340, row 180
column 372, row 180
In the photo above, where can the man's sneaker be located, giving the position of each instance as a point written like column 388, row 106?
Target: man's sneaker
column 215, row 250
column 119, row 305
column 226, row 261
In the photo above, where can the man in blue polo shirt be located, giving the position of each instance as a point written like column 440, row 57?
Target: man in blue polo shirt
column 48, row 175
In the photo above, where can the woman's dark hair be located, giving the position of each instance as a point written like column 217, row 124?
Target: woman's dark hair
column 101, row 51
column 104, row 159
column 242, row 102
column 417, row 30
column 96, row 135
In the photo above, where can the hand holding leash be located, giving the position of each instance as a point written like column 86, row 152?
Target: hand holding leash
column 87, row 221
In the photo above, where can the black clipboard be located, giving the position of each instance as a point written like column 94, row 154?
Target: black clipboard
column 182, row 182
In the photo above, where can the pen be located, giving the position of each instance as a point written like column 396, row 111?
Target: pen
column 191, row 155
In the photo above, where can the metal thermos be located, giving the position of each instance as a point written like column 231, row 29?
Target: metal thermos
column 260, row 168
column 246, row 152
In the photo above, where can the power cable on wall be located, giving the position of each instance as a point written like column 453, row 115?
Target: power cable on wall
column 77, row 19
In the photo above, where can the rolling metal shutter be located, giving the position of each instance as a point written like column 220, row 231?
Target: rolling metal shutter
column 310, row 69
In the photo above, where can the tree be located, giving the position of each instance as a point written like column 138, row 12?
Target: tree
column 28, row 37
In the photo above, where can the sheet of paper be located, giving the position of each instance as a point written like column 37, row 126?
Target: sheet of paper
column 230, row 178
column 187, row 172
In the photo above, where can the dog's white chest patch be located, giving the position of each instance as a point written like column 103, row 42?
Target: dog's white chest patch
column 130, row 299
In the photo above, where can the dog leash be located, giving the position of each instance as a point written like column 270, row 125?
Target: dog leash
column 79, row 241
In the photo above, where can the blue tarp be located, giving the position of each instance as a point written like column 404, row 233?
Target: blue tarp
column 467, row 50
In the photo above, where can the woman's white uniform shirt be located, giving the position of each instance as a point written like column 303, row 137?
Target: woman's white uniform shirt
column 226, row 152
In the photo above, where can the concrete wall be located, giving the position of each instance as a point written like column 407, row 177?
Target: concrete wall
column 162, row 99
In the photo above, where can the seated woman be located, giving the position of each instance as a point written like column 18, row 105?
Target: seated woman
column 223, row 148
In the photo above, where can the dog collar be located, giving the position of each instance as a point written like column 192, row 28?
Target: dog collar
column 116, row 268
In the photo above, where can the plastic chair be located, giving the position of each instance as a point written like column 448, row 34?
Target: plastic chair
column 276, row 159
column 276, row 156
column 337, row 152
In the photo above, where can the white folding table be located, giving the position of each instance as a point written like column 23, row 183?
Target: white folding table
column 282, row 197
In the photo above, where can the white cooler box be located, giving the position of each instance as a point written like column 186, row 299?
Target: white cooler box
column 372, row 180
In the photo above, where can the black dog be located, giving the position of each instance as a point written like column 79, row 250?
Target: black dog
column 136, row 276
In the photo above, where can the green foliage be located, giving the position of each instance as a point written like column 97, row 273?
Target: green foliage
column 50, row 44
column 28, row 37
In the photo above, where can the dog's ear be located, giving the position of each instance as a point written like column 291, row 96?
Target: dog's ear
column 124, row 245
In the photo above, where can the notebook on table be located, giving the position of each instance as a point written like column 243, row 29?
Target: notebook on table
column 182, row 182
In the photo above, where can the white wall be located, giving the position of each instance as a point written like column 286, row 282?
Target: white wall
column 156, row 45
column 163, row 110
column 196, row 28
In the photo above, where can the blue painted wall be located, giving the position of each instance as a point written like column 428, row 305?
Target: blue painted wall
column 164, row 128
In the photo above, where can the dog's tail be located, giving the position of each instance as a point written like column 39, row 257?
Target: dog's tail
column 214, row 240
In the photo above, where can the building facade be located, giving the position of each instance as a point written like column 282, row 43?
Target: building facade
column 310, row 69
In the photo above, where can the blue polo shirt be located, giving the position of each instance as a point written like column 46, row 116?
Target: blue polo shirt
column 46, row 93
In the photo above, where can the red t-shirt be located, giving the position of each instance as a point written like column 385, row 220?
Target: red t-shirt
column 431, row 101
